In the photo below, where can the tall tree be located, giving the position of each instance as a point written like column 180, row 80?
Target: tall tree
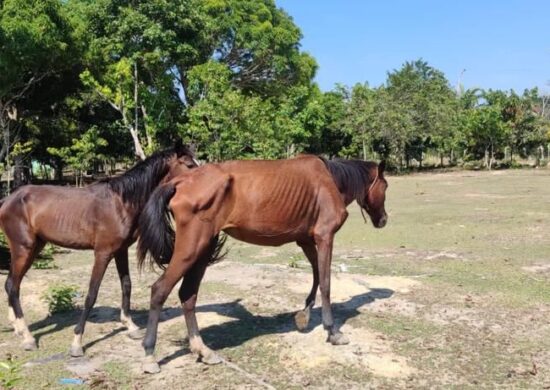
column 35, row 44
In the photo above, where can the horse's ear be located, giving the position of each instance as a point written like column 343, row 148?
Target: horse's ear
column 381, row 168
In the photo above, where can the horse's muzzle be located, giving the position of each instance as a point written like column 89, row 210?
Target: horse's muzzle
column 382, row 222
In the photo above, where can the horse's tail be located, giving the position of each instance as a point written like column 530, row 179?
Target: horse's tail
column 218, row 253
column 156, row 234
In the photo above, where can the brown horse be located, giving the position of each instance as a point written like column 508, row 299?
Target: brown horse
column 102, row 217
column 260, row 202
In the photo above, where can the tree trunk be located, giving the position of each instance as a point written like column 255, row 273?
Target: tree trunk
column 20, row 172
column 58, row 170
column 364, row 149
column 137, row 144
column 491, row 160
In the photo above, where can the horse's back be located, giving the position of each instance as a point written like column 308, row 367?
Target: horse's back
column 64, row 215
column 274, row 202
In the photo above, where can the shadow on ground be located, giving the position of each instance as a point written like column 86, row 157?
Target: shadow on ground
column 245, row 326
column 248, row 326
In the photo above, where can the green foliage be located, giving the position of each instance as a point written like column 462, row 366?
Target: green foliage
column 293, row 262
column 86, row 83
column 83, row 152
column 10, row 373
column 60, row 298
column 45, row 259
column 35, row 40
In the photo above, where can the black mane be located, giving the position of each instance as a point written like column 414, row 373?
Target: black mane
column 136, row 185
column 351, row 176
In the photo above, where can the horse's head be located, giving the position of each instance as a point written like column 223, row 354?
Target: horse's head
column 375, row 197
column 181, row 161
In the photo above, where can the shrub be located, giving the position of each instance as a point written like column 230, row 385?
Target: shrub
column 293, row 262
column 45, row 258
column 60, row 298
column 9, row 373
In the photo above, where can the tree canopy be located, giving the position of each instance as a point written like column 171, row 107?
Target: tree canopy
column 88, row 83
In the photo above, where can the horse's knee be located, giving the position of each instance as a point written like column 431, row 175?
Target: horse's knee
column 158, row 294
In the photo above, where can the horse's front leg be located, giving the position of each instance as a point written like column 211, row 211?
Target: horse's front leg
column 101, row 262
column 302, row 317
column 121, row 260
column 324, row 248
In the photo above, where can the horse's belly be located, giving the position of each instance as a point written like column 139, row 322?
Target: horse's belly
column 264, row 237
column 69, row 239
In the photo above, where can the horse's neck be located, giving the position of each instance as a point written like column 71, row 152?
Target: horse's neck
column 352, row 181
column 135, row 191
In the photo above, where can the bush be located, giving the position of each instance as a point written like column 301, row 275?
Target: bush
column 472, row 165
column 45, row 258
column 60, row 298
column 9, row 373
column 293, row 262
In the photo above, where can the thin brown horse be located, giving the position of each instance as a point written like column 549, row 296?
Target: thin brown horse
column 102, row 217
column 260, row 202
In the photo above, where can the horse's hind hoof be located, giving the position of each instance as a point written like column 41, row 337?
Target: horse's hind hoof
column 150, row 366
column 211, row 359
column 136, row 334
column 76, row 351
column 338, row 339
column 302, row 320
column 29, row 345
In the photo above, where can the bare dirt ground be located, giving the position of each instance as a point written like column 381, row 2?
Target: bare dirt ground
column 453, row 293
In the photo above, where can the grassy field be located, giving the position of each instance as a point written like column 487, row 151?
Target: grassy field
column 453, row 293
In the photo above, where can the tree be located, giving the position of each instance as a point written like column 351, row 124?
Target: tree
column 35, row 44
column 331, row 136
column 83, row 152
column 425, row 96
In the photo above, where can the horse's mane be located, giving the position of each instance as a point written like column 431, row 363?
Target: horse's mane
column 136, row 185
column 351, row 176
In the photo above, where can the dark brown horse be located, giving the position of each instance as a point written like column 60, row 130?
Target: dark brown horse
column 260, row 202
column 102, row 217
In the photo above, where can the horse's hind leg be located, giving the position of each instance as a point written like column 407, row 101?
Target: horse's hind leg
column 121, row 260
column 22, row 258
column 188, row 297
column 186, row 253
column 302, row 317
column 100, row 265
column 324, row 247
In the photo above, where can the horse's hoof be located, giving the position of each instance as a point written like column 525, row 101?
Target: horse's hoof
column 211, row 358
column 76, row 351
column 338, row 339
column 29, row 345
column 136, row 334
column 302, row 320
column 150, row 367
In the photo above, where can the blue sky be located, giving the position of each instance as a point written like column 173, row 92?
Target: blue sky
column 501, row 44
